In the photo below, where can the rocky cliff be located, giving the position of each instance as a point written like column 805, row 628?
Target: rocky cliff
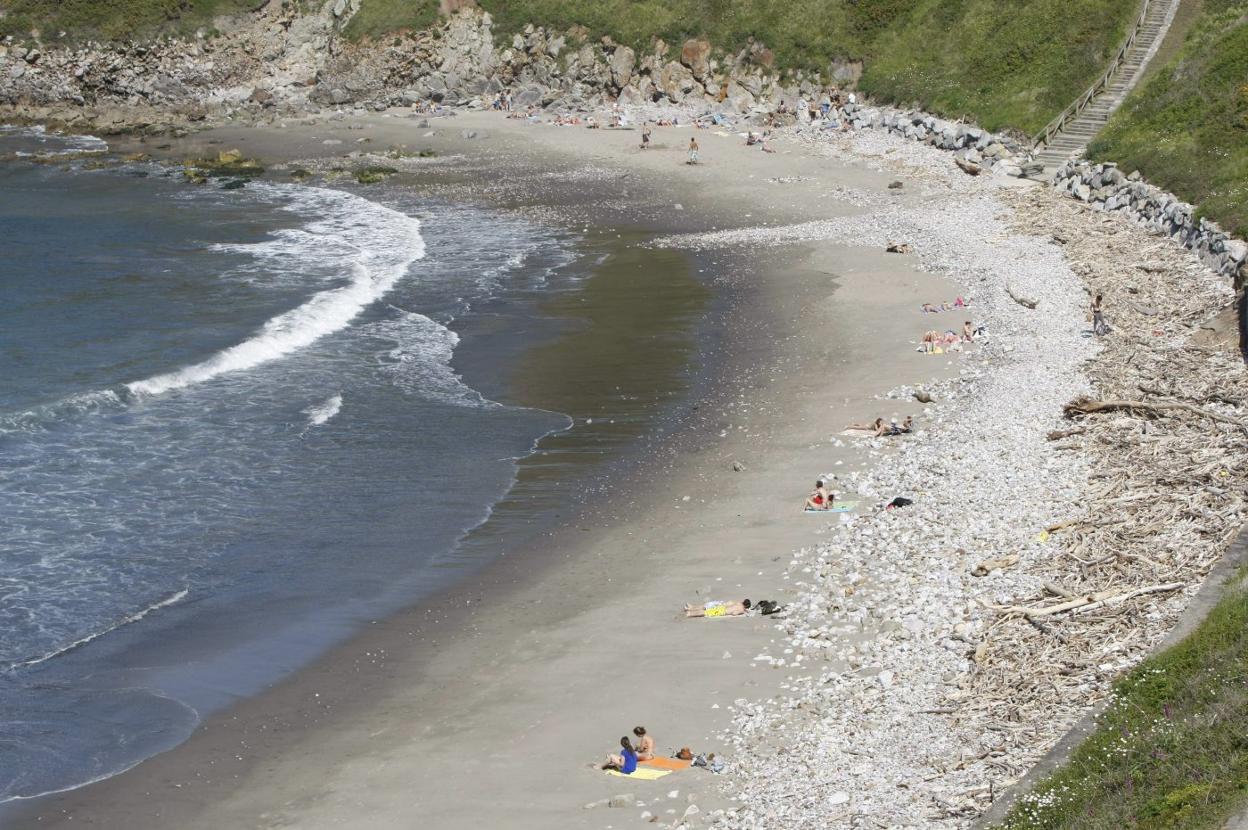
column 281, row 62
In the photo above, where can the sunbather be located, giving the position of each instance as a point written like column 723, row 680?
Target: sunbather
column 819, row 498
column 896, row 429
column 874, row 426
column 625, row 761
column 645, row 744
column 968, row 331
column 718, row 608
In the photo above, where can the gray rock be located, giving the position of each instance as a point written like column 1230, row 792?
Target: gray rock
column 338, row 96
column 528, row 96
column 622, row 62
column 624, row 800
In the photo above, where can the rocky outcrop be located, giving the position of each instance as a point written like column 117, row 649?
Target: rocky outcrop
column 280, row 61
column 1105, row 187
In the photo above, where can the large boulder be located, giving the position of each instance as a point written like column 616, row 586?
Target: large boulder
column 696, row 54
column 676, row 81
column 527, row 96
column 622, row 62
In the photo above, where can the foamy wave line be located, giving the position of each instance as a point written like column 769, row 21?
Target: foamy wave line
column 386, row 241
column 82, row 641
column 82, row 402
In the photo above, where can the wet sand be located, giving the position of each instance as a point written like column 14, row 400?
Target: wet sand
column 483, row 707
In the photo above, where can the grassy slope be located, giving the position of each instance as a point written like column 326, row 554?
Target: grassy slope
column 1002, row 63
column 1186, row 129
column 111, row 19
column 1170, row 752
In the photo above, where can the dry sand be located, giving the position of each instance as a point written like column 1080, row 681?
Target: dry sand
column 484, row 707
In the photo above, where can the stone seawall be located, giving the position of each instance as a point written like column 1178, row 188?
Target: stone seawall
column 1105, row 187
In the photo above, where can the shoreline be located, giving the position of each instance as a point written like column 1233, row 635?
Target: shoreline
column 330, row 767
column 215, row 725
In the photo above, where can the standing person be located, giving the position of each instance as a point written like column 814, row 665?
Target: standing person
column 693, row 150
column 1099, row 326
column 645, row 744
column 645, row 136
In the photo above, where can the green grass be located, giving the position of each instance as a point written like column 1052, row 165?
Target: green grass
column 1002, row 63
column 1171, row 751
column 111, row 19
column 1186, row 128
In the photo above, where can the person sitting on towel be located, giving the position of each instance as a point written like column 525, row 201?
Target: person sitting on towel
column 819, row 498
column 625, row 761
column 718, row 608
column 645, row 744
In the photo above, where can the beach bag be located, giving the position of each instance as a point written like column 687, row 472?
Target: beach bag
column 685, row 754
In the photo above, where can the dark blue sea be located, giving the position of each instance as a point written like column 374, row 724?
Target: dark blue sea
column 230, row 432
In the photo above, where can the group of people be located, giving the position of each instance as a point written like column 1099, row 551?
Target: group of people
column 935, row 341
column 759, row 140
column 626, row 759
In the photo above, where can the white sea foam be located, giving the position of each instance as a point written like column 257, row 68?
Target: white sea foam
column 82, row 641
column 419, row 361
column 32, row 420
column 323, row 411
column 375, row 243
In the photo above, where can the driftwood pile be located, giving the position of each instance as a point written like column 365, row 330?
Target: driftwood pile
column 1167, row 431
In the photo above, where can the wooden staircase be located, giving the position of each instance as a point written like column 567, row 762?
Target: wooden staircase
column 1068, row 135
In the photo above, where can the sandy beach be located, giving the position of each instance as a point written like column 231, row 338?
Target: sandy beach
column 484, row 707
column 510, row 685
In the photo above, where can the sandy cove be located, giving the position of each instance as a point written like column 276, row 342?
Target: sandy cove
column 484, row 707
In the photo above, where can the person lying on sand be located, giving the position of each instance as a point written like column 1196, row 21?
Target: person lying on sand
column 905, row 427
column 645, row 744
column 874, row 426
column 928, row 308
column 625, row 761
column 819, row 498
column 718, row 608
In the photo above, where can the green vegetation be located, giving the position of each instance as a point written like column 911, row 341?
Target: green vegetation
column 111, row 19
column 1186, row 128
column 227, row 164
column 1003, row 63
column 374, row 174
column 1170, row 752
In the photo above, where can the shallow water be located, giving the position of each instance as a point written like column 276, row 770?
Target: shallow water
column 229, row 423
column 236, row 426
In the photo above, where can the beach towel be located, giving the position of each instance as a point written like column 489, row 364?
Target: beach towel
column 653, row 769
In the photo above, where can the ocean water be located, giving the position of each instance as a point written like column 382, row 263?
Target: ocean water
column 231, row 430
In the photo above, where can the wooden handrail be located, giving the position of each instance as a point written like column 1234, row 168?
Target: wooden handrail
column 1059, row 123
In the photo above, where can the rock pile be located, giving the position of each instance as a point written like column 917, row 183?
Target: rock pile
column 1105, row 187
